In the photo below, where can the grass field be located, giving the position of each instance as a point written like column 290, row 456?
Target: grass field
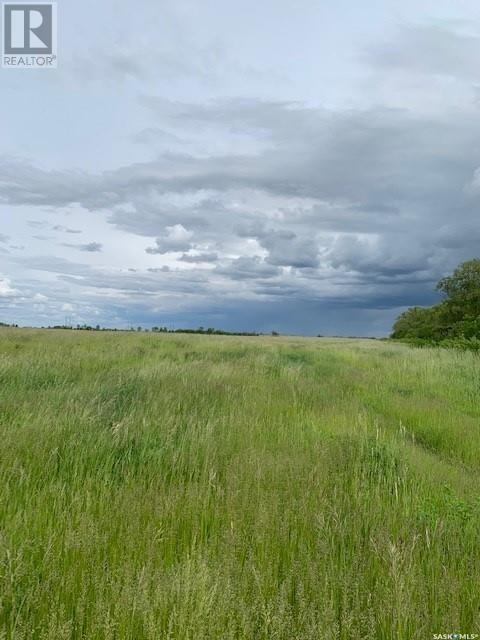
column 193, row 487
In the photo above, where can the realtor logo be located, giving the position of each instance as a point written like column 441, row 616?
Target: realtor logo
column 29, row 35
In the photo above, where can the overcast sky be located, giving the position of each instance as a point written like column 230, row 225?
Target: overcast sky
column 308, row 166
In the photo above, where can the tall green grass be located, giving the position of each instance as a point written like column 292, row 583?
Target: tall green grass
column 165, row 486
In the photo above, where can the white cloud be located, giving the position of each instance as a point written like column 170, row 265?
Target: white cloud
column 6, row 290
column 175, row 238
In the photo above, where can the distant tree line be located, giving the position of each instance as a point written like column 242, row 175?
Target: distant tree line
column 456, row 320
column 208, row 331
column 201, row 330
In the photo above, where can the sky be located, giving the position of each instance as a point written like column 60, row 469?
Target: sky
column 309, row 167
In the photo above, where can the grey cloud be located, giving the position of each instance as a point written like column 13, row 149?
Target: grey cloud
column 286, row 249
column 329, row 213
column 255, row 229
column 155, row 135
column 283, row 246
column 61, row 228
column 316, row 154
column 459, row 237
column 90, row 247
column 192, row 296
column 150, row 284
column 141, row 61
column 152, row 213
column 133, row 283
column 199, row 257
column 248, row 268
column 448, row 50
column 164, row 269
column 53, row 264
column 124, row 64
column 371, row 190
column 238, row 115
column 175, row 238
column 150, row 218
column 37, row 224
column 382, row 256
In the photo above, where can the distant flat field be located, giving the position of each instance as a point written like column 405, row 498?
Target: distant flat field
column 201, row 487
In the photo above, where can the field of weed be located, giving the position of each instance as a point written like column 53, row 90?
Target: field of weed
column 194, row 487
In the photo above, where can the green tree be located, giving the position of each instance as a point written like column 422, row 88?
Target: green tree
column 417, row 322
column 462, row 291
column 458, row 315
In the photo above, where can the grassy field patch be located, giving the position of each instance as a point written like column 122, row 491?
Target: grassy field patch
column 194, row 487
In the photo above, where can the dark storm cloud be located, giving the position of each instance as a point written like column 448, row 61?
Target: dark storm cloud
column 248, row 268
column 377, row 202
column 378, row 257
column 391, row 158
column 286, row 249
